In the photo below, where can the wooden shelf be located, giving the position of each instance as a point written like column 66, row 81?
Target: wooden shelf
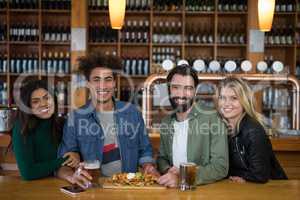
column 199, row 13
column 103, row 44
column 167, row 44
column 167, row 13
column 135, row 44
column 279, row 45
column 33, row 11
column 56, row 43
column 23, row 43
column 56, row 11
column 199, row 45
column 233, row 13
column 284, row 13
column 232, row 45
column 18, row 74
column 3, row 42
column 132, row 12
column 99, row 11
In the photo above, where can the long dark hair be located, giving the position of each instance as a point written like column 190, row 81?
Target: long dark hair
column 29, row 121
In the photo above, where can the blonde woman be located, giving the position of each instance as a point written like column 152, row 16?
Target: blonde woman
column 251, row 157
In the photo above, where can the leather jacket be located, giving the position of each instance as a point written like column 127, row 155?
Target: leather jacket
column 250, row 154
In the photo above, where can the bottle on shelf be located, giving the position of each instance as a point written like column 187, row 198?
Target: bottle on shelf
column 25, row 31
column 203, row 6
column 102, row 32
column 135, row 31
column 230, row 33
column 167, row 5
column 232, row 5
column 3, row 4
column 26, row 63
column 298, row 69
column 3, row 93
column 55, row 63
column 136, row 66
column 98, row 4
column 140, row 5
column 25, row 4
column 162, row 53
column 3, row 63
column 3, row 32
column 167, row 32
column 285, row 6
column 56, row 4
column 56, row 33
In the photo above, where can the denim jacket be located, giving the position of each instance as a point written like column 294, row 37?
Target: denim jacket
column 83, row 133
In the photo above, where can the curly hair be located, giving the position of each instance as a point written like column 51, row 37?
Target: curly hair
column 97, row 59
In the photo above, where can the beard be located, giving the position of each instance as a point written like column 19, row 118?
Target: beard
column 181, row 108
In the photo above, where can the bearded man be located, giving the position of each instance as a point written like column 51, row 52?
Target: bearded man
column 192, row 133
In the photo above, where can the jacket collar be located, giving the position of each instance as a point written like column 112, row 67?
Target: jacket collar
column 119, row 108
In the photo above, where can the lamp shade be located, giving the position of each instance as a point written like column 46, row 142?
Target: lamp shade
column 116, row 13
column 265, row 14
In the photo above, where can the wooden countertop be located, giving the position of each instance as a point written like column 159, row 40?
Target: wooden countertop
column 279, row 143
column 12, row 188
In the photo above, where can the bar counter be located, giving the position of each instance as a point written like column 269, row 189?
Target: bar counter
column 12, row 188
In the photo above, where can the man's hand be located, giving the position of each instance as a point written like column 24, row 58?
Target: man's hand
column 73, row 159
column 174, row 170
column 148, row 168
column 169, row 180
column 237, row 179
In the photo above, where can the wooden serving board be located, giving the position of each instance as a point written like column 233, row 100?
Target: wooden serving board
column 107, row 185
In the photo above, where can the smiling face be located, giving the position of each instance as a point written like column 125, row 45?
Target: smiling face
column 42, row 103
column 229, row 105
column 102, row 85
column 182, row 92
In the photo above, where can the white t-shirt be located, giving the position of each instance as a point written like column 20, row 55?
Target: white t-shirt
column 180, row 142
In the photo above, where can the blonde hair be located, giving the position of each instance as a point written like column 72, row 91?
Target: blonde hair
column 245, row 96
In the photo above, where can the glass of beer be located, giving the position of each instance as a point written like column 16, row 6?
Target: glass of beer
column 188, row 174
column 93, row 168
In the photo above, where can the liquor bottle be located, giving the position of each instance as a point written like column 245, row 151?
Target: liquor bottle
column 56, row 4
column 167, row 5
column 290, row 6
column 67, row 63
column 290, row 35
column 3, row 32
column 3, row 4
column 3, row 63
column 3, row 94
column 298, row 69
column 61, row 98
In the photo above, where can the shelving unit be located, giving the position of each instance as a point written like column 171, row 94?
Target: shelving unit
column 31, row 49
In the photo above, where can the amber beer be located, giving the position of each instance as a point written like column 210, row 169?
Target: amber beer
column 188, row 173
column 93, row 168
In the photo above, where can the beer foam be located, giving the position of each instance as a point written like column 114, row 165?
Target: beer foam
column 92, row 165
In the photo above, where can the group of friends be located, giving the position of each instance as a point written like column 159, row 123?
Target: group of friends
column 228, row 141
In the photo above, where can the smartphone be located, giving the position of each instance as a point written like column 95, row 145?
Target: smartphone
column 72, row 190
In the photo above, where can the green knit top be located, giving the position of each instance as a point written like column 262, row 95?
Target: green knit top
column 36, row 154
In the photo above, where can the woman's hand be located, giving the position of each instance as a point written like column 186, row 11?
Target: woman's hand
column 73, row 159
column 237, row 179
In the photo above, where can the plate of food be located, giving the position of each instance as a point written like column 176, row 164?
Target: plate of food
column 132, row 181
